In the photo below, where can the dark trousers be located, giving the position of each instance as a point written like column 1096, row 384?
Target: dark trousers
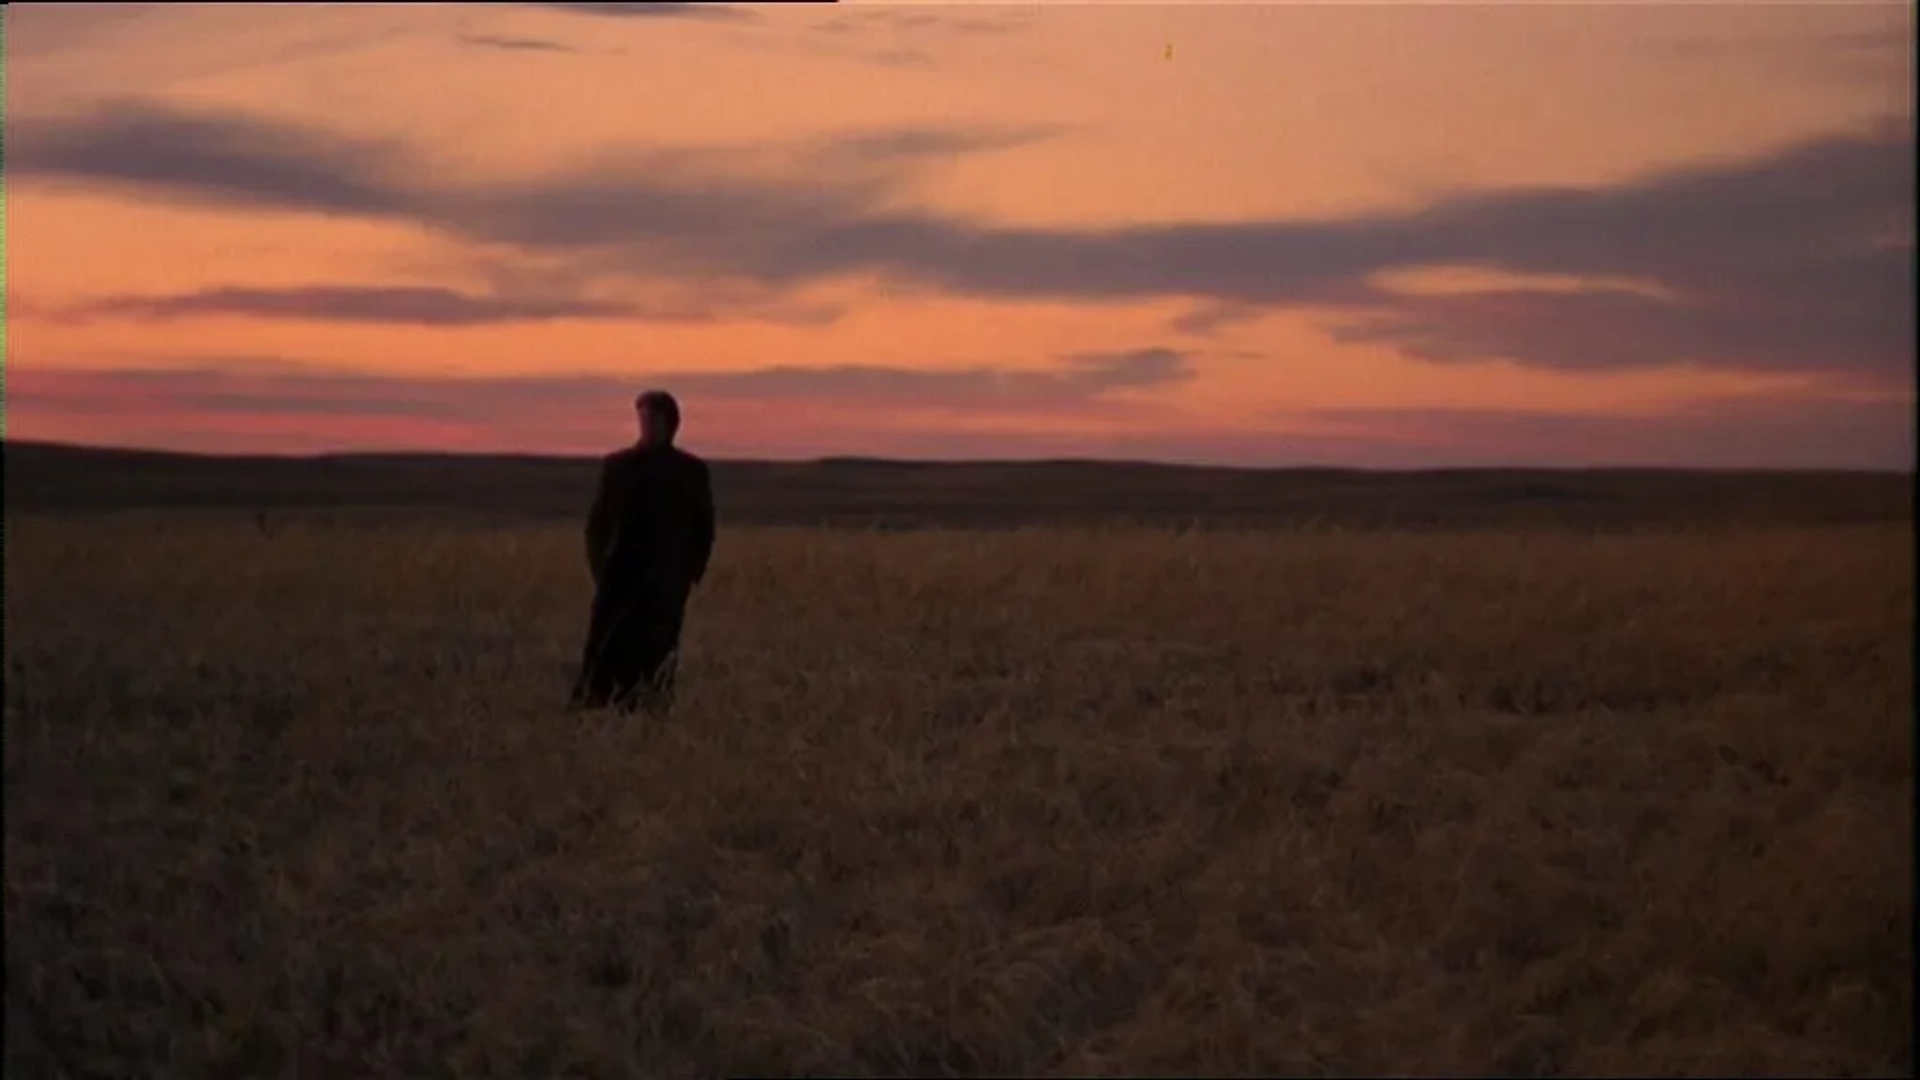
column 633, row 639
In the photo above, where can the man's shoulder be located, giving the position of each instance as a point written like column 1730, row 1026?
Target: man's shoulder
column 653, row 461
column 619, row 469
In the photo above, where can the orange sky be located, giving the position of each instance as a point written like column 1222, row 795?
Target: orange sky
column 1354, row 234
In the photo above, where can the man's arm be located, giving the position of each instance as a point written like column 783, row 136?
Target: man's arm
column 702, row 522
column 600, row 522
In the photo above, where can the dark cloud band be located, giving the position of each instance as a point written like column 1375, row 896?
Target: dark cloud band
column 1798, row 260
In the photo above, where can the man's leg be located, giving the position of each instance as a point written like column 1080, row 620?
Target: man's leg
column 593, row 686
column 623, row 662
column 662, row 656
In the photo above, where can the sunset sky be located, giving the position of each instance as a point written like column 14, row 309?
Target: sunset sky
column 1346, row 234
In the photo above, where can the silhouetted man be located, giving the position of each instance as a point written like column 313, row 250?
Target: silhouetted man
column 649, row 536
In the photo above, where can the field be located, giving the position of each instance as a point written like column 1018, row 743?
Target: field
column 1495, row 796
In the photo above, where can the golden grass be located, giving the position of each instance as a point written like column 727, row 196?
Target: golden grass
column 1044, row 803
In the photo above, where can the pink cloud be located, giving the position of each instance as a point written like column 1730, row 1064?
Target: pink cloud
column 284, row 410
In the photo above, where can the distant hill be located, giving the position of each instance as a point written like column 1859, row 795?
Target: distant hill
column 51, row 478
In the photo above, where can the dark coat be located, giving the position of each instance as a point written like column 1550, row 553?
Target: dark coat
column 652, row 521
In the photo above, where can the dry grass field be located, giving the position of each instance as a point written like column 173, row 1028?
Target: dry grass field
column 1300, row 802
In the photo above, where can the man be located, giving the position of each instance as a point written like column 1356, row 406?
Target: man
column 649, row 536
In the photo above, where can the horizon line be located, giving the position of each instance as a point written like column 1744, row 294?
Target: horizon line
column 870, row 460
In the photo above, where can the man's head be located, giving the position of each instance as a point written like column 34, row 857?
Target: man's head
column 659, row 417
